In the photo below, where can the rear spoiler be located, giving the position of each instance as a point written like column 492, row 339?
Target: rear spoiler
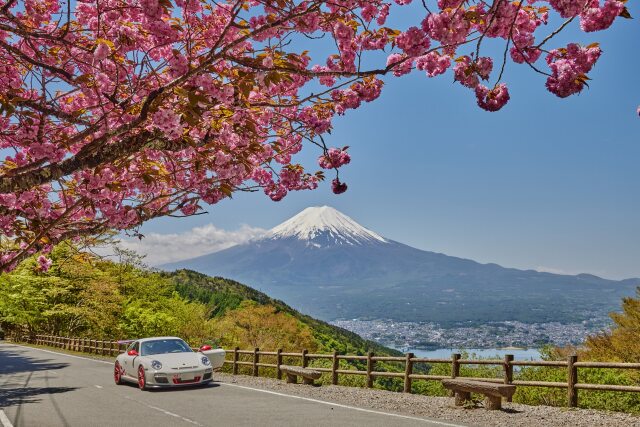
column 126, row 342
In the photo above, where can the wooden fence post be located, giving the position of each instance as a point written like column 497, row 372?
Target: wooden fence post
column 305, row 359
column 572, row 379
column 455, row 365
column 508, row 371
column 334, row 368
column 278, row 363
column 408, row 370
column 256, row 359
column 235, row 360
column 455, row 368
column 370, row 363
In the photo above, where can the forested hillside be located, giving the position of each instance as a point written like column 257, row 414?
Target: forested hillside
column 227, row 298
column 84, row 295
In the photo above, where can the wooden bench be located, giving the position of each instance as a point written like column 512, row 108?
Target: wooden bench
column 493, row 392
column 293, row 372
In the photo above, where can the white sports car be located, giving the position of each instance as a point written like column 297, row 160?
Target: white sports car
column 166, row 362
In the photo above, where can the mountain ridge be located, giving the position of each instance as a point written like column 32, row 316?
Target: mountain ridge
column 331, row 267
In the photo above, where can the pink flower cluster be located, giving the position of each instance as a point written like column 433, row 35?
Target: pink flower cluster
column 399, row 64
column 334, row 158
column 569, row 67
column 449, row 27
column 494, row 99
column 468, row 72
column 568, row 8
column 338, row 187
column 433, row 63
column 168, row 122
column 44, row 263
column 597, row 18
column 413, row 42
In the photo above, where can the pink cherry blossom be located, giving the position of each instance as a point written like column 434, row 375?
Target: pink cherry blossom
column 433, row 63
column 494, row 99
column 334, row 158
column 597, row 18
column 44, row 263
column 338, row 187
column 128, row 110
column 569, row 67
column 101, row 52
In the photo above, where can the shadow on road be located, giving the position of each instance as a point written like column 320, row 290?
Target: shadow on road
column 20, row 396
column 175, row 389
column 14, row 362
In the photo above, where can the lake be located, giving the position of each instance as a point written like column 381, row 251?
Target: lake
column 490, row 353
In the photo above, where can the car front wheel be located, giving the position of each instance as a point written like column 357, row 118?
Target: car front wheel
column 117, row 373
column 142, row 380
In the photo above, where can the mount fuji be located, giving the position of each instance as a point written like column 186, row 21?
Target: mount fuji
column 327, row 265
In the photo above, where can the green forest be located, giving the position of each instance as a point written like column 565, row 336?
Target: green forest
column 84, row 295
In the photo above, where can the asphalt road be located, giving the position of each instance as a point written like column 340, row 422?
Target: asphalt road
column 43, row 388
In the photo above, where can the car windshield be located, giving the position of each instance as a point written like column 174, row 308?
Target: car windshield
column 164, row 346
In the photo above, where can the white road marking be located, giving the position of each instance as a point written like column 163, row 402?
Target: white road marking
column 98, row 386
column 4, row 419
column 355, row 408
column 164, row 411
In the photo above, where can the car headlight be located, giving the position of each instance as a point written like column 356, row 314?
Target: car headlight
column 205, row 361
column 156, row 365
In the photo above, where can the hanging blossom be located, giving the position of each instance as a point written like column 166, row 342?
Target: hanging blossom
column 115, row 112
column 334, row 158
column 569, row 67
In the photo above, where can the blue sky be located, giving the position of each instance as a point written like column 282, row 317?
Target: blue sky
column 545, row 183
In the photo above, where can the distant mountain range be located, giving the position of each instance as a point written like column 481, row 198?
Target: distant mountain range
column 327, row 265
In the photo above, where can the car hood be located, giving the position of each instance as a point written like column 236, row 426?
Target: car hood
column 177, row 360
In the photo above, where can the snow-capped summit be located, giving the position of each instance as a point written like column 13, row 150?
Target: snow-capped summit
column 323, row 226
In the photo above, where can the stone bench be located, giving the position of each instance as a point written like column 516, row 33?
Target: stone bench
column 493, row 392
column 293, row 372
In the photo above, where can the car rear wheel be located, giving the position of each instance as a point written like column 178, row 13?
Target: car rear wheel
column 117, row 374
column 142, row 380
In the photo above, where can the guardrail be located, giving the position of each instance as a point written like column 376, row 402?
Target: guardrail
column 113, row 348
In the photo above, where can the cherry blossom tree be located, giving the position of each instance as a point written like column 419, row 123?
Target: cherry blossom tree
column 114, row 112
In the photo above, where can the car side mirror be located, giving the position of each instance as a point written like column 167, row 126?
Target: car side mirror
column 205, row 347
column 132, row 353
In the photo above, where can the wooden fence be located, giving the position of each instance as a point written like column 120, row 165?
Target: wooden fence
column 82, row 345
column 409, row 360
column 113, row 348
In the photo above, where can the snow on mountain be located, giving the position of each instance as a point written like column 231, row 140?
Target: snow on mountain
column 323, row 226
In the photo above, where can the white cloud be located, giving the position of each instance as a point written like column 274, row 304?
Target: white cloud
column 164, row 248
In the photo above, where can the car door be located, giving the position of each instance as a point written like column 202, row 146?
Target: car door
column 129, row 361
